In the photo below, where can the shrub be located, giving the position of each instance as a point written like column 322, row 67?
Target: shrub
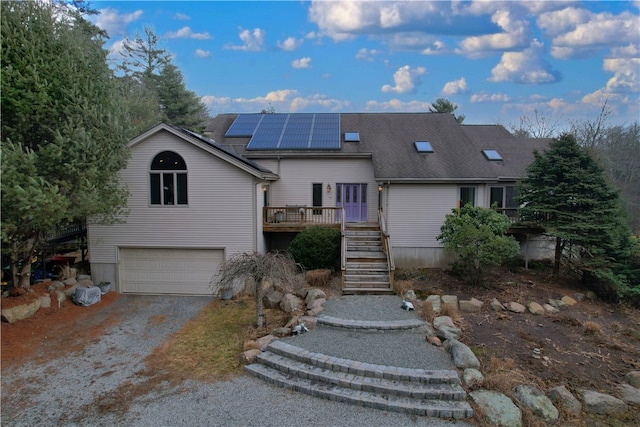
column 317, row 247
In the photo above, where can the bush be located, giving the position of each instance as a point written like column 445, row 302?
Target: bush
column 476, row 236
column 317, row 247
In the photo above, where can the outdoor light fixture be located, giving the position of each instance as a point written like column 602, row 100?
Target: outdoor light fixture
column 264, row 187
column 328, row 188
column 379, row 187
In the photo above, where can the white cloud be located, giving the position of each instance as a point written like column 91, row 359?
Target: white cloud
column 290, row 44
column 252, row 41
column 365, row 54
column 114, row 23
column 406, row 79
column 283, row 100
column 301, row 63
column 626, row 78
column 455, row 87
column 397, row 105
column 182, row 17
column 187, row 33
column 201, row 53
column 490, row 97
column 437, row 47
column 525, row 67
column 516, row 34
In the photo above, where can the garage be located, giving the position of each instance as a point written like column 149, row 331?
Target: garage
column 168, row 270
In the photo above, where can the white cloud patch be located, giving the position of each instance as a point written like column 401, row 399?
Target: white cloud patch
column 182, row 17
column 490, row 97
column 515, row 34
column 283, row 100
column 114, row 23
column 527, row 67
column 455, row 87
column 625, row 75
column 290, row 44
column 187, row 33
column 201, row 53
column 578, row 33
column 397, row 105
column 365, row 54
column 437, row 47
column 405, row 80
column 301, row 63
column 253, row 41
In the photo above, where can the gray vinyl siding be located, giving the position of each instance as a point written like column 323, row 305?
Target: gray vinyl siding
column 297, row 177
column 220, row 213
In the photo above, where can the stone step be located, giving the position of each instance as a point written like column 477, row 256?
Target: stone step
column 372, row 325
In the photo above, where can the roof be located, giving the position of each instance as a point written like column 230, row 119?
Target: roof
column 388, row 139
column 212, row 147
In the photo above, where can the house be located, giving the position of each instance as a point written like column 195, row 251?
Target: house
column 255, row 180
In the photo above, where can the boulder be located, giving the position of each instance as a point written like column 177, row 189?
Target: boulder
column 470, row 306
column 568, row 300
column 562, row 397
column 633, row 378
column 314, row 294
column 540, row 405
column 535, row 308
column 448, row 332
column 272, row 298
column 472, row 377
column 19, row 312
column 57, row 284
column 436, row 303
column 264, row 341
column 71, row 291
column 45, row 301
column 450, row 300
column 84, row 277
column 515, row 307
column 600, row 403
column 462, row 355
column 629, row 394
column 61, row 296
column 549, row 308
column 496, row 305
column 70, row 281
column 281, row 332
column 498, row 408
column 443, row 321
column 309, row 321
column 291, row 303
column 591, row 296
column 249, row 356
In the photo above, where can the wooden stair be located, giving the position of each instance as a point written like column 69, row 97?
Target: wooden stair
column 367, row 268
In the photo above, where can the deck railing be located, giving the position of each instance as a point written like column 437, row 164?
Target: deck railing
column 387, row 247
column 274, row 217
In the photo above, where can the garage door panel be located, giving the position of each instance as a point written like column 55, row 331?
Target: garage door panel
column 169, row 271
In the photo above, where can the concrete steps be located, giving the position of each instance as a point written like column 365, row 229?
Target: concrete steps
column 435, row 393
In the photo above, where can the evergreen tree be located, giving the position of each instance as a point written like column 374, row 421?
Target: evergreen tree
column 179, row 106
column 443, row 105
column 567, row 192
column 64, row 130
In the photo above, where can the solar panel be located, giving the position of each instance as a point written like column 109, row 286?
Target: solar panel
column 297, row 131
column 244, row 125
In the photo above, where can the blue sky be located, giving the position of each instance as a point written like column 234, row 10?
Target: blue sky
column 496, row 60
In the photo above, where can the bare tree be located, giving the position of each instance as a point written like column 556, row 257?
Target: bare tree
column 276, row 266
column 536, row 126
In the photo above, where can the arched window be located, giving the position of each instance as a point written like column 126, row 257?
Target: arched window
column 168, row 179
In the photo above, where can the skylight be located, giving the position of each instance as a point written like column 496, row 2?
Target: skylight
column 492, row 154
column 423, row 147
column 352, row 137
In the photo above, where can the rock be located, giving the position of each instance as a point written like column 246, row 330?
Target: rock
column 45, row 301
column 249, row 356
column 472, row 377
column 470, row 306
column 410, row 295
column 591, row 296
column 496, row 305
column 86, row 283
column 443, row 321
column 568, row 300
column 57, row 284
column 314, row 294
column 281, row 332
column 462, row 355
column 448, row 332
column 19, row 312
column 272, row 298
column 264, row 341
column 291, row 303
column 83, row 277
column 540, row 405
column 71, row 291
column 316, row 304
column 629, row 394
column 579, row 296
column 561, row 305
column 309, row 321
column 515, row 307
column 549, row 308
column 600, row 403
column 70, row 281
column 498, row 408
column 633, row 378
column 433, row 340
column 535, row 308
column 61, row 296
column 436, row 303
column 450, row 300
column 561, row 396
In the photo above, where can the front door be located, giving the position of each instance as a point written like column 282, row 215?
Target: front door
column 353, row 198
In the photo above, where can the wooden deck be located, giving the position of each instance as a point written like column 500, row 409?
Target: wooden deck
column 296, row 218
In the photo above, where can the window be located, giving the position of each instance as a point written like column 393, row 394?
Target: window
column 351, row 136
column 467, row 196
column 423, row 147
column 492, row 155
column 317, row 198
column 504, row 197
column 168, row 179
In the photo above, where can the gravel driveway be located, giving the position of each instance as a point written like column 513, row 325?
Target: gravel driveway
column 108, row 384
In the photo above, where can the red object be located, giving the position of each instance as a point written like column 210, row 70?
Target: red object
column 59, row 259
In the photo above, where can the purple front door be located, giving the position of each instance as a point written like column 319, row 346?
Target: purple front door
column 353, row 198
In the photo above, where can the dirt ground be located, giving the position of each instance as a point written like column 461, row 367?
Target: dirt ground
column 592, row 344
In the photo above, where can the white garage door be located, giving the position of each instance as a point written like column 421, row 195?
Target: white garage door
column 168, row 271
